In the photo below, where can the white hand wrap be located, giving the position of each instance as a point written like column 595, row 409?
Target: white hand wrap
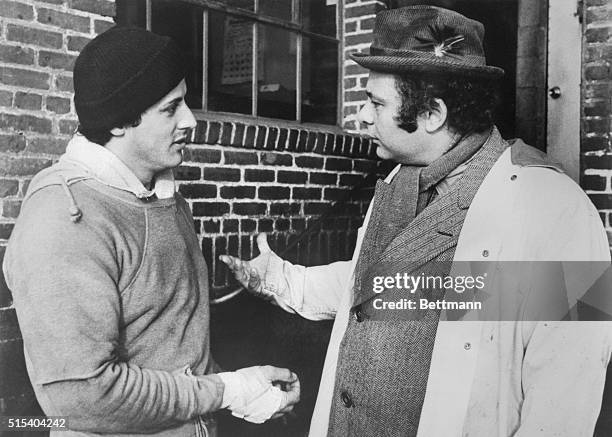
column 249, row 395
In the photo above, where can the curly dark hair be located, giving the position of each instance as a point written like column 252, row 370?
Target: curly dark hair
column 471, row 103
column 103, row 136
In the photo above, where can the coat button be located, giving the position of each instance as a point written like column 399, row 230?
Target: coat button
column 513, row 177
column 346, row 399
column 358, row 314
column 467, row 346
column 485, row 253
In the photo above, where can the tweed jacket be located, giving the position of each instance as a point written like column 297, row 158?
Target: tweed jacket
column 489, row 378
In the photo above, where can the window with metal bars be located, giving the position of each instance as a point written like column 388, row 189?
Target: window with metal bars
column 277, row 59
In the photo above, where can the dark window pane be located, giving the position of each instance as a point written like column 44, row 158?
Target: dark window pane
column 276, row 8
column 319, row 16
column 183, row 22
column 230, row 63
column 132, row 13
column 319, row 81
column 277, row 73
column 249, row 5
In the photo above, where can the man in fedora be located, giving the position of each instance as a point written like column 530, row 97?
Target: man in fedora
column 459, row 193
column 107, row 275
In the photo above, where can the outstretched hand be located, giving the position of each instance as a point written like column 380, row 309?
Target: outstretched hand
column 251, row 273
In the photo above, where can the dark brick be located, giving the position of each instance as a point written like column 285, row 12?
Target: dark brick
column 302, row 141
column 339, row 164
column 8, row 187
column 28, row 100
column 198, row 191
column 283, row 134
column 214, row 132
column 594, row 143
column 597, row 90
column 211, row 226
column 202, row 155
column 12, row 143
column 197, row 226
column 76, row 43
column 221, row 174
column 597, row 72
column 593, row 182
column 350, row 83
column 323, row 178
column 338, row 145
column 238, row 140
column 272, row 137
column 292, row 140
column 315, row 208
column 246, row 244
column 596, row 2
column 598, row 15
column 16, row 55
column 350, row 180
column 12, row 9
column 334, row 194
column 596, row 125
column 99, row 7
column 251, row 175
column 260, row 140
column 199, row 132
column 60, row 61
column 360, row 11
column 366, row 24
column 365, row 166
column 355, row 69
column 271, row 158
column 598, row 108
column 230, row 225
column 26, row 123
column 59, row 105
column 240, row 208
column 226, row 133
column 320, row 143
column 249, row 136
column 291, row 177
column 248, row 225
column 241, row 158
column 306, row 193
column 11, row 208
column 63, row 20
column 597, row 34
column 597, row 162
column 282, row 225
column 30, row 35
column 361, row 38
column 210, row 209
column 64, row 83
column 350, row 27
column 6, row 98
column 266, row 225
column 285, row 208
column 311, row 142
column 298, row 224
column 601, row 201
column 354, row 96
column 186, row 173
column 329, row 143
column 101, row 26
column 270, row 193
column 309, row 162
column 68, row 127
column 5, row 230
column 219, row 269
column 238, row 192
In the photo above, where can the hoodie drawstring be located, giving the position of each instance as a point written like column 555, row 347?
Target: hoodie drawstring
column 75, row 211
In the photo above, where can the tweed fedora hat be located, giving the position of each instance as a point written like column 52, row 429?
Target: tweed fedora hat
column 425, row 39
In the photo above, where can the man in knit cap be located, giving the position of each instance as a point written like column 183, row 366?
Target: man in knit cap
column 108, row 280
column 461, row 200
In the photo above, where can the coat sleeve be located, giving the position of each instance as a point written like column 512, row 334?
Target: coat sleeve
column 565, row 362
column 64, row 278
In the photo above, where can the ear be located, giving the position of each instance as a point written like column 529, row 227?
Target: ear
column 436, row 118
column 117, row 131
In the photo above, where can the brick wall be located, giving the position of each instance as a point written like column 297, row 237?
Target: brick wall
column 358, row 25
column 39, row 41
column 243, row 179
column 596, row 141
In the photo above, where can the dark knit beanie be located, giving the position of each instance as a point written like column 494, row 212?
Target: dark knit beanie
column 123, row 72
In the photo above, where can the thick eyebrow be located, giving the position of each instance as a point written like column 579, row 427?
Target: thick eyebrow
column 373, row 96
column 176, row 100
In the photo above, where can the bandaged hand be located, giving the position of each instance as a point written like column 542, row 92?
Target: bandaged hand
column 255, row 395
column 251, row 274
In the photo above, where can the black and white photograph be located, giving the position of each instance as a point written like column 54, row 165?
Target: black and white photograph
column 306, row 218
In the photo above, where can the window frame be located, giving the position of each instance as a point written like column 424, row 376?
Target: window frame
column 256, row 19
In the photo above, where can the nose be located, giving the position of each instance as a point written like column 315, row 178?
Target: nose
column 187, row 120
column 365, row 114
